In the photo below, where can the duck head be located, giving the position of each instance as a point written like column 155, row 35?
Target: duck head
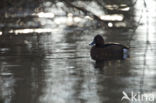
column 98, row 41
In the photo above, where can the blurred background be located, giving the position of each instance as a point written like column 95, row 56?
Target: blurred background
column 45, row 56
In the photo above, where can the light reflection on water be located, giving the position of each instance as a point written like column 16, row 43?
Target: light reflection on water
column 57, row 68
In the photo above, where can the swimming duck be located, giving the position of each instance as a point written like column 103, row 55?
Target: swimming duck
column 106, row 51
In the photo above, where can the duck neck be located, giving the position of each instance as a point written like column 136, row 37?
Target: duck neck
column 97, row 45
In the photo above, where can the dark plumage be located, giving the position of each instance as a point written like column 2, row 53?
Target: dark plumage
column 101, row 51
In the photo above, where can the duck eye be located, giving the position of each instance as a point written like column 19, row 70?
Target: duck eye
column 98, row 39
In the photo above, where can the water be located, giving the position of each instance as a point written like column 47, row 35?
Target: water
column 56, row 67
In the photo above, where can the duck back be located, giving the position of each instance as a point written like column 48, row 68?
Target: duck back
column 109, row 51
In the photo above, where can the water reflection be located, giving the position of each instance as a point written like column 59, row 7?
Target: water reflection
column 7, row 84
column 54, row 65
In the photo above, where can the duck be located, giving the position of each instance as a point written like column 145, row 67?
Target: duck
column 101, row 51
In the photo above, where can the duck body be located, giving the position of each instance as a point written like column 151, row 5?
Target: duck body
column 101, row 51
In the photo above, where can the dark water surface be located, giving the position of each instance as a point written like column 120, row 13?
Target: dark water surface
column 56, row 67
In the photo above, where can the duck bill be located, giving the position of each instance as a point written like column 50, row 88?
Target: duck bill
column 92, row 43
